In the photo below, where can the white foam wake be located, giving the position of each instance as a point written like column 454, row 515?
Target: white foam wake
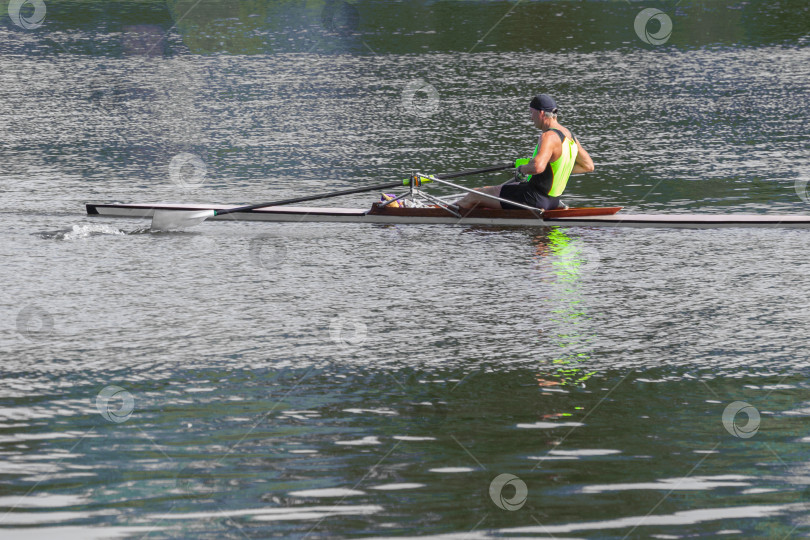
column 78, row 232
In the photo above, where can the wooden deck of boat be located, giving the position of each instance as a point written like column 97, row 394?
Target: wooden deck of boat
column 575, row 217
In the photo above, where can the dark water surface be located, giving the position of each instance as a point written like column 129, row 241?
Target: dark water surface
column 277, row 380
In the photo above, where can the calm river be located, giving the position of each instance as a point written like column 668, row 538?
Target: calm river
column 263, row 380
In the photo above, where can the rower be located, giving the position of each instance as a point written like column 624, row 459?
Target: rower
column 558, row 154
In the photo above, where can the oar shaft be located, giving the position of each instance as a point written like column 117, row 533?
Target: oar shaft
column 389, row 185
column 470, row 172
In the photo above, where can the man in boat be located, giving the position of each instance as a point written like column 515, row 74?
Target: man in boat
column 558, row 154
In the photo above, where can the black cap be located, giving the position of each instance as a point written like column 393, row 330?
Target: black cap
column 543, row 102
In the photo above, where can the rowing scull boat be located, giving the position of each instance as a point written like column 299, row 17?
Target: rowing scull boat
column 591, row 217
column 418, row 207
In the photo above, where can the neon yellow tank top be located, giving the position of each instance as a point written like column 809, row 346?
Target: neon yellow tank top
column 553, row 180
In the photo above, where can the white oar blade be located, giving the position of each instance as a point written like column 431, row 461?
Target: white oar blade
column 175, row 220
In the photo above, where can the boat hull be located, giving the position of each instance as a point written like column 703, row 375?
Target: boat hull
column 521, row 218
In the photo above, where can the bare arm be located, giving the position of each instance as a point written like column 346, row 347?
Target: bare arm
column 584, row 162
column 541, row 159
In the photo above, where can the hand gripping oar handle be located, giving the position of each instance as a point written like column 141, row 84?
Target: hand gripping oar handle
column 390, row 185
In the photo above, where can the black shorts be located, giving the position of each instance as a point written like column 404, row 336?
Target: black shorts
column 523, row 193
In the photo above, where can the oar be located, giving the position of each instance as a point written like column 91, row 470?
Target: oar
column 469, row 172
column 171, row 220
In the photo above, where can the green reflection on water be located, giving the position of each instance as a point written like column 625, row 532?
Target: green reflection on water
column 570, row 263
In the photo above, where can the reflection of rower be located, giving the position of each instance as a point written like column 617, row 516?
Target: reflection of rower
column 569, row 330
column 558, row 155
